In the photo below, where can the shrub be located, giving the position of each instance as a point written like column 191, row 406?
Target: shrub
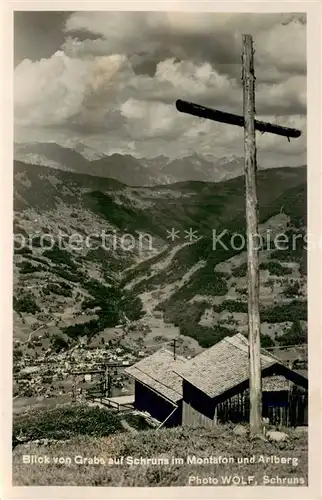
column 113, row 304
column 98, row 290
column 295, row 251
column 188, row 317
column 296, row 310
column 295, row 335
column 26, row 267
column 82, row 329
column 26, row 303
column 66, row 422
column 76, row 276
column 267, row 341
column 275, row 268
column 131, row 306
column 22, row 251
column 90, row 304
column 58, row 343
column 58, row 289
column 240, row 271
column 207, row 282
column 206, row 336
column 17, row 354
column 59, row 256
column 303, row 265
column 293, row 290
column 137, row 421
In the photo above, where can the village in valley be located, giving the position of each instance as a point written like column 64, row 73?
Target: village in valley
column 78, row 373
column 149, row 378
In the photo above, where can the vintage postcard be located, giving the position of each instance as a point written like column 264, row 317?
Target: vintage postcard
column 164, row 188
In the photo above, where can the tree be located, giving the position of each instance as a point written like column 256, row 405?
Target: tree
column 295, row 335
column 58, row 343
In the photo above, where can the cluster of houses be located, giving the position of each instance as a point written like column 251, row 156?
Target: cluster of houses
column 211, row 387
column 214, row 386
column 50, row 375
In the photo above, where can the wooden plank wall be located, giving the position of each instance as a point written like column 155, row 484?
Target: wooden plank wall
column 234, row 409
column 194, row 418
column 289, row 409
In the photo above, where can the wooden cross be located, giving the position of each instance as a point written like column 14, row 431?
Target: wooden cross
column 232, row 119
column 250, row 125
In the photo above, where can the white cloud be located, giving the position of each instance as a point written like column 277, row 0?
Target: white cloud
column 52, row 91
column 284, row 46
column 280, row 39
column 49, row 91
column 145, row 120
column 89, row 91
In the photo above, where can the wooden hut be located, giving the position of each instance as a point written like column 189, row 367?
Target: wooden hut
column 158, row 388
column 215, row 387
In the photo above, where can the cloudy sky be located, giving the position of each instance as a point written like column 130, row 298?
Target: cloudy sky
column 111, row 79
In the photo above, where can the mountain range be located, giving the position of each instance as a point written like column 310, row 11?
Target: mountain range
column 128, row 169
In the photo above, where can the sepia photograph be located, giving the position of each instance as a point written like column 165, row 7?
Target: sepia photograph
column 160, row 249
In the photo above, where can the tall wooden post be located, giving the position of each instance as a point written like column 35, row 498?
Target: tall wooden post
column 107, row 382
column 74, row 388
column 250, row 125
column 174, row 348
column 255, row 383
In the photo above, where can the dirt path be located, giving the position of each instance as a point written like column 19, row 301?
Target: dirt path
column 35, row 331
column 158, row 266
column 163, row 292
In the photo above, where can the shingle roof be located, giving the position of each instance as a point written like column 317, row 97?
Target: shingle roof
column 275, row 383
column 222, row 366
column 157, row 372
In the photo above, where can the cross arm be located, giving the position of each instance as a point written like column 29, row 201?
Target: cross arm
column 232, row 119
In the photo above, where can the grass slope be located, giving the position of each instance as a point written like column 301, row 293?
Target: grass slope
column 163, row 444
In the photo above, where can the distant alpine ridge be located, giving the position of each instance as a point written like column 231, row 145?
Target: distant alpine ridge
column 128, row 169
